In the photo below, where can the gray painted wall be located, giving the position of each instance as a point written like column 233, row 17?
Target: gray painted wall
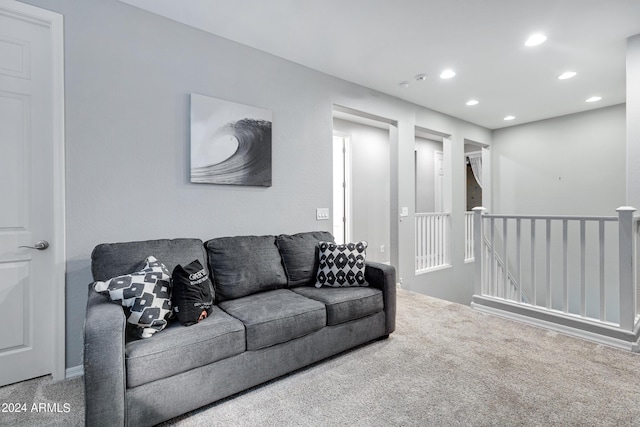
column 370, row 187
column 128, row 76
column 570, row 165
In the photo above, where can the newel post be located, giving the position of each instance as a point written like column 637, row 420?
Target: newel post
column 626, row 252
column 477, row 249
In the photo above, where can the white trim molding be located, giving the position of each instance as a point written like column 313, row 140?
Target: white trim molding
column 74, row 371
column 578, row 328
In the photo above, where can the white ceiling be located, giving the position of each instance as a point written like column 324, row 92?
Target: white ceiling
column 380, row 43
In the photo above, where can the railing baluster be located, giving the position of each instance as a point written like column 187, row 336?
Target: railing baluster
column 435, row 226
column 434, row 240
column 565, row 268
column 505, row 260
column 423, row 242
column 492, row 275
column 583, row 269
column 468, row 237
column 445, row 238
column 636, row 230
column 601, row 252
column 440, row 250
column 519, row 259
column 548, row 284
column 438, row 226
column 429, row 241
column 534, row 297
column 420, row 243
column 478, row 246
column 417, row 243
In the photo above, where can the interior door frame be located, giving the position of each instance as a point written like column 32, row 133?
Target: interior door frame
column 55, row 24
column 438, row 180
column 346, row 187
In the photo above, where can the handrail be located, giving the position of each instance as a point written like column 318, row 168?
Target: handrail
column 423, row 214
column 553, row 217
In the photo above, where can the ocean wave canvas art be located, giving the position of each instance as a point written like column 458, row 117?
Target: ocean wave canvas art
column 230, row 143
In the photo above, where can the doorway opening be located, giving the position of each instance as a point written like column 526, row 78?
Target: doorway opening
column 476, row 158
column 362, row 181
column 473, row 162
column 432, row 200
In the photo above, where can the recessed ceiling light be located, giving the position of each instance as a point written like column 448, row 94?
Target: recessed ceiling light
column 472, row 102
column 447, row 74
column 567, row 75
column 404, row 84
column 421, row 77
column 594, row 99
column 535, row 39
column 510, row 117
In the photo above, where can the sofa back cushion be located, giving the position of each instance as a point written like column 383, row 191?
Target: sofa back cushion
column 114, row 259
column 244, row 265
column 300, row 255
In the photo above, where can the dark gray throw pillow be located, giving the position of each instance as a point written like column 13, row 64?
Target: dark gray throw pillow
column 244, row 265
column 300, row 255
column 192, row 293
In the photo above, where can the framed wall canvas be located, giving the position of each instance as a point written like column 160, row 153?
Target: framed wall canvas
column 230, row 143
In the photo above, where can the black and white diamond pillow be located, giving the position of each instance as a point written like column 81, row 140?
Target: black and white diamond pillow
column 146, row 294
column 341, row 265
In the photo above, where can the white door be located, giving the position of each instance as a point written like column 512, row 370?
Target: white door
column 28, row 192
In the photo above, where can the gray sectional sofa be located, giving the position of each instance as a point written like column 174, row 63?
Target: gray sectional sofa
column 268, row 320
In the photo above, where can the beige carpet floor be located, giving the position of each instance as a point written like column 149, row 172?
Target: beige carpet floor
column 446, row 365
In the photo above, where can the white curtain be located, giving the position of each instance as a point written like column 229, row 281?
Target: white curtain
column 475, row 160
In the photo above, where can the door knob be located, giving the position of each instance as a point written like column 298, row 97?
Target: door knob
column 40, row 245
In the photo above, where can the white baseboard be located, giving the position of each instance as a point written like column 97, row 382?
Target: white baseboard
column 563, row 329
column 74, row 371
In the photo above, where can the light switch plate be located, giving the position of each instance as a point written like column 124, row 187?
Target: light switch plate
column 322, row 214
column 404, row 211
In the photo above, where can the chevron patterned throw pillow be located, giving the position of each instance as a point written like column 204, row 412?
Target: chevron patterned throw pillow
column 145, row 294
column 341, row 265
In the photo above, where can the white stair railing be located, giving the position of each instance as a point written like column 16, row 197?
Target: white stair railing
column 577, row 271
column 432, row 240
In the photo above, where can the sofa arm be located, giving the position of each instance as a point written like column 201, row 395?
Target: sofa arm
column 104, row 362
column 383, row 277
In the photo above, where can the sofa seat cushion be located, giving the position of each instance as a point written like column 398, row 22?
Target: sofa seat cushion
column 345, row 304
column 277, row 316
column 180, row 348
